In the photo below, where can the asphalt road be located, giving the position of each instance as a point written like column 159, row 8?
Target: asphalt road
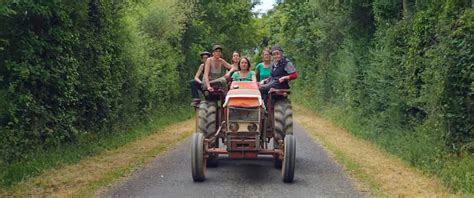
column 316, row 175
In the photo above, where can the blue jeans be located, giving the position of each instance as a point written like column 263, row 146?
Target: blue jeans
column 264, row 89
column 195, row 88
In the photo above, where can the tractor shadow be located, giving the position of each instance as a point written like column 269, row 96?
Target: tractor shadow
column 254, row 171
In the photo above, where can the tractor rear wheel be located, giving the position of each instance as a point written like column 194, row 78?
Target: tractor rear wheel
column 289, row 159
column 198, row 162
column 283, row 122
column 207, row 126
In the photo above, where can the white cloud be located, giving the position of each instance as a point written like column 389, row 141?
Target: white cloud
column 264, row 6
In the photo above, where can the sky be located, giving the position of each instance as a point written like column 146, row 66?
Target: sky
column 265, row 6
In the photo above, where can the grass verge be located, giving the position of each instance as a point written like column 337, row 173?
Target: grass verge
column 354, row 168
column 384, row 174
column 17, row 178
column 418, row 149
column 423, row 147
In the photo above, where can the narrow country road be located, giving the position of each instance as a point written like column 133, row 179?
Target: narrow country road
column 169, row 175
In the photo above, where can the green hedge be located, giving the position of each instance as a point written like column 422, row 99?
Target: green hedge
column 70, row 68
column 88, row 68
column 402, row 70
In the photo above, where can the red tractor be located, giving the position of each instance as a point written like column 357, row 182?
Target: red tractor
column 240, row 120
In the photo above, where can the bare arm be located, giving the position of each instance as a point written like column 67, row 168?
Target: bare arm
column 198, row 73
column 254, row 78
column 207, row 68
column 228, row 66
column 227, row 75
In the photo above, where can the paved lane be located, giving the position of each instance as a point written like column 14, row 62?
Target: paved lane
column 316, row 175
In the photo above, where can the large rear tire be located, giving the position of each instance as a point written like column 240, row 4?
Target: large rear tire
column 207, row 126
column 283, row 122
column 207, row 118
column 283, row 117
column 198, row 162
column 289, row 160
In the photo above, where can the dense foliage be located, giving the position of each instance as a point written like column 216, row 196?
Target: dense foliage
column 70, row 69
column 402, row 70
column 228, row 23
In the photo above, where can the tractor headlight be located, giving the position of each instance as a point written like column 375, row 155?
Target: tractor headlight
column 243, row 119
column 252, row 127
column 234, row 127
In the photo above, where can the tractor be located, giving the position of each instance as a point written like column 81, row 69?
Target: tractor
column 245, row 126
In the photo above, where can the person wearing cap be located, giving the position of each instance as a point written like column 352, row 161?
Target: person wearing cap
column 282, row 71
column 196, row 83
column 213, row 70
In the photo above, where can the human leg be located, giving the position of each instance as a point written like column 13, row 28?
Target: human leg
column 264, row 89
column 221, row 83
column 195, row 86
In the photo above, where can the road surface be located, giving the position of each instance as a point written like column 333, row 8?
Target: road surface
column 316, row 175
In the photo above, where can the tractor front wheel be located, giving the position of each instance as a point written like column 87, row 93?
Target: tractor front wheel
column 198, row 162
column 289, row 159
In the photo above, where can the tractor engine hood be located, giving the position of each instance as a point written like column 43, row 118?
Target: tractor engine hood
column 243, row 94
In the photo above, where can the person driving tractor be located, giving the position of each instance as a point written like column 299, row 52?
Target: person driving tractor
column 282, row 71
column 244, row 73
column 213, row 70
